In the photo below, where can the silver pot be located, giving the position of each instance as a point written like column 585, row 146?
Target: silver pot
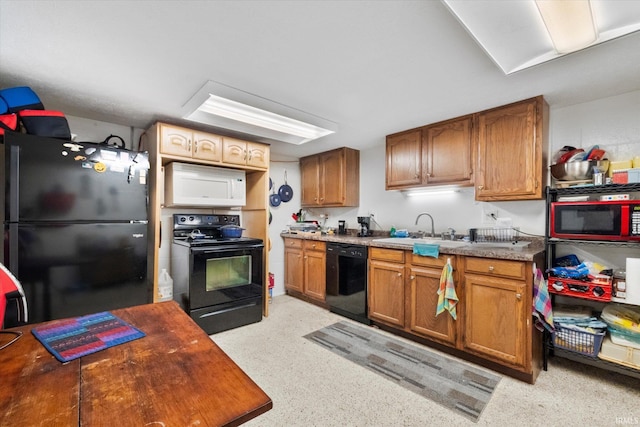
column 579, row 170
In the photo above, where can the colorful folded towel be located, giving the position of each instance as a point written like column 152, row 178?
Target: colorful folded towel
column 542, row 303
column 447, row 298
column 426, row 249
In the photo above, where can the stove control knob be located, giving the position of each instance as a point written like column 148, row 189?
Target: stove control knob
column 182, row 219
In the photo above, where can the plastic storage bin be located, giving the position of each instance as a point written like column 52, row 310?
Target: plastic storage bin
column 627, row 356
column 583, row 342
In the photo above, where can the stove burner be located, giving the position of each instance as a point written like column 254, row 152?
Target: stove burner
column 209, row 226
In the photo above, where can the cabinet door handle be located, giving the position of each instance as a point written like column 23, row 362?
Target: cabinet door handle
column 480, row 187
column 245, row 154
column 491, row 268
column 189, row 144
column 250, row 155
column 518, row 296
column 399, row 274
column 413, row 277
column 195, row 147
column 306, row 257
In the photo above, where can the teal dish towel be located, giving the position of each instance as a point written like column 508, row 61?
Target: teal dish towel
column 426, row 249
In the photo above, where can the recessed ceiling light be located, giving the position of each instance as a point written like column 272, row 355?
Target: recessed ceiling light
column 228, row 108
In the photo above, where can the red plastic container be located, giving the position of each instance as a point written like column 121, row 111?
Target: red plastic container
column 599, row 290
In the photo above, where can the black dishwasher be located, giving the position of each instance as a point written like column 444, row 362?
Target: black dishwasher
column 347, row 280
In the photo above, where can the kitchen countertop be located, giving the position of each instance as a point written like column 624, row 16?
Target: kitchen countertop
column 535, row 248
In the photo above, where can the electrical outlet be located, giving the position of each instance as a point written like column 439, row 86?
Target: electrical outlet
column 489, row 215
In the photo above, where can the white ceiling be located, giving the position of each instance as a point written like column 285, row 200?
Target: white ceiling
column 372, row 67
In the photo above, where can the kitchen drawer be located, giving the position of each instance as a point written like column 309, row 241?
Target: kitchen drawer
column 391, row 255
column 314, row 245
column 495, row 267
column 427, row 261
column 293, row 243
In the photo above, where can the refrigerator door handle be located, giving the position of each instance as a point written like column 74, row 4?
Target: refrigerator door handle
column 13, row 248
column 14, row 183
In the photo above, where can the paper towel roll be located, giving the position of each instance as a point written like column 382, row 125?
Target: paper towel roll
column 633, row 281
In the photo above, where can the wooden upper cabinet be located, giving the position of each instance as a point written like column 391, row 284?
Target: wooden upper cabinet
column 438, row 154
column 331, row 179
column 501, row 151
column 404, row 160
column 188, row 143
column 310, row 179
column 447, row 152
column 512, row 145
column 244, row 153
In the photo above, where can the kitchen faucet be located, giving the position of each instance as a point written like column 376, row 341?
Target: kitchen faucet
column 433, row 231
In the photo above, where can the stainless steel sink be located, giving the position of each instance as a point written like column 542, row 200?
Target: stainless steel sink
column 409, row 242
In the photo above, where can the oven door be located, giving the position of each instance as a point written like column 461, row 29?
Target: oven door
column 225, row 273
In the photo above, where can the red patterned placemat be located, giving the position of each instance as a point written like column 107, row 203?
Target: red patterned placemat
column 69, row 339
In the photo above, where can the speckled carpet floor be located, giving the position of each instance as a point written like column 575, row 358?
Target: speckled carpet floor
column 457, row 386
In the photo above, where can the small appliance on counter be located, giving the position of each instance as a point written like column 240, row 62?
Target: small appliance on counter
column 342, row 227
column 365, row 226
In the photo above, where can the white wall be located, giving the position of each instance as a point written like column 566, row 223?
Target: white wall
column 281, row 216
column 86, row 130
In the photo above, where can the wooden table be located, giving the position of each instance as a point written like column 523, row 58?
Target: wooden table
column 175, row 376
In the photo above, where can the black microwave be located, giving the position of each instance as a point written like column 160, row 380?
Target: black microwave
column 597, row 220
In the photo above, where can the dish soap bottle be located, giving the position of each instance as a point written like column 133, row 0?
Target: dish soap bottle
column 165, row 286
column 392, row 233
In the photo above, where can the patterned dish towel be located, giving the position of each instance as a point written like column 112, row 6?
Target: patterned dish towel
column 447, row 298
column 542, row 303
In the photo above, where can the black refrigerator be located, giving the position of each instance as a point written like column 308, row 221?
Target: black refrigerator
column 75, row 225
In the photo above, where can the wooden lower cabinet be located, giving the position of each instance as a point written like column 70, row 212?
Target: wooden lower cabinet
column 386, row 292
column 424, row 284
column 496, row 318
column 294, row 266
column 315, row 273
column 493, row 325
column 305, row 267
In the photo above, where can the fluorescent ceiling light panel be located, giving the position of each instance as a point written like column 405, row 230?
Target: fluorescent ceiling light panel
column 228, row 108
column 514, row 36
column 569, row 22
